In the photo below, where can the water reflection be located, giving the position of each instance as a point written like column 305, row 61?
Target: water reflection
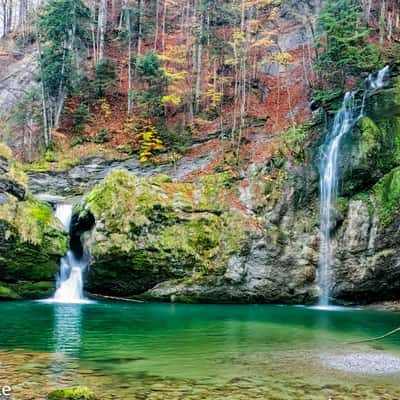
column 67, row 337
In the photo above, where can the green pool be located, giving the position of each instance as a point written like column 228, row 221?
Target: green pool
column 171, row 351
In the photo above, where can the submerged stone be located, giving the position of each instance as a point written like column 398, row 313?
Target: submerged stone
column 75, row 393
column 363, row 363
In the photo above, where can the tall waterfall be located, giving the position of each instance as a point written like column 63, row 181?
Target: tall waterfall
column 70, row 276
column 345, row 119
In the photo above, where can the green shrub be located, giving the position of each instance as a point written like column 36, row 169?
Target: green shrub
column 49, row 156
column 342, row 43
column 105, row 76
column 81, row 117
column 102, row 136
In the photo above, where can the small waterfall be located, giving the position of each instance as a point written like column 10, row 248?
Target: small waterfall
column 348, row 115
column 70, row 277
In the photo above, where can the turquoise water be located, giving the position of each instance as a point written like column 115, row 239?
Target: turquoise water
column 140, row 351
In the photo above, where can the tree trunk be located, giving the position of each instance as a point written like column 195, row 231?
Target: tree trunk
column 101, row 29
column 139, row 33
column 128, row 22
column 199, row 63
column 43, row 93
column 157, row 25
column 164, row 18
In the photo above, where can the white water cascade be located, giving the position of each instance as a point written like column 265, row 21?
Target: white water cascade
column 348, row 115
column 70, row 277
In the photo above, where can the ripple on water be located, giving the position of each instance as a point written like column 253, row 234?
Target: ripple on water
column 363, row 363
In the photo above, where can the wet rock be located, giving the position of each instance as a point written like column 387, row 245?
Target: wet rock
column 356, row 234
column 12, row 187
column 75, row 393
column 31, row 239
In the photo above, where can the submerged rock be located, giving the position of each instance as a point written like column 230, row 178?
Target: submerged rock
column 75, row 393
column 368, row 363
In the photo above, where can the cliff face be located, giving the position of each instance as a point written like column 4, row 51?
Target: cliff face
column 271, row 252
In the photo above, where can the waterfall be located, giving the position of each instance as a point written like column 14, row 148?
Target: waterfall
column 345, row 119
column 72, row 267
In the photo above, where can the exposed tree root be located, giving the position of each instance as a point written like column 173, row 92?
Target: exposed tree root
column 393, row 332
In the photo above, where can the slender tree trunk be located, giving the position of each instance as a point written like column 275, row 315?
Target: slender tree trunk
column 101, row 29
column 382, row 22
column 157, row 25
column 199, row 63
column 93, row 32
column 129, row 28
column 164, row 18
column 43, row 93
column 139, row 33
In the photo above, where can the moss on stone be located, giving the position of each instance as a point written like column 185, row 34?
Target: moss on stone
column 370, row 138
column 31, row 240
column 34, row 223
column 6, row 293
column 14, row 172
column 148, row 230
column 34, row 290
column 387, row 195
column 5, row 151
column 75, row 393
column 373, row 148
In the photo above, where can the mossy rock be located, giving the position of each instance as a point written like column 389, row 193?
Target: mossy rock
column 75, row 393
column 31, row 239
column 34, row 290
column 387, row 195
column 150, row 230
column 373, row 147
column 6, row 293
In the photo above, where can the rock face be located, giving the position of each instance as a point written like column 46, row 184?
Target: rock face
column 31, row 240
column 81, row 178
column 367, row 239
column 148, row 231
column 185, row 242
column 367, row 265
column 196, row 242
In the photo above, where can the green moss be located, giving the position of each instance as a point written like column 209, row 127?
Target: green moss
column 5, row 151
column 41, row 212
column 31, row 243
column 33, row 222
column 149, row 230
column 75, row 393
column 371, row 137
column 34, row 290
column 387, row 195
column 14, row 172
column 6, row 293
column 211, row 190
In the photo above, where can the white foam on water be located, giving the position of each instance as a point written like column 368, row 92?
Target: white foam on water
column 70, row 277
